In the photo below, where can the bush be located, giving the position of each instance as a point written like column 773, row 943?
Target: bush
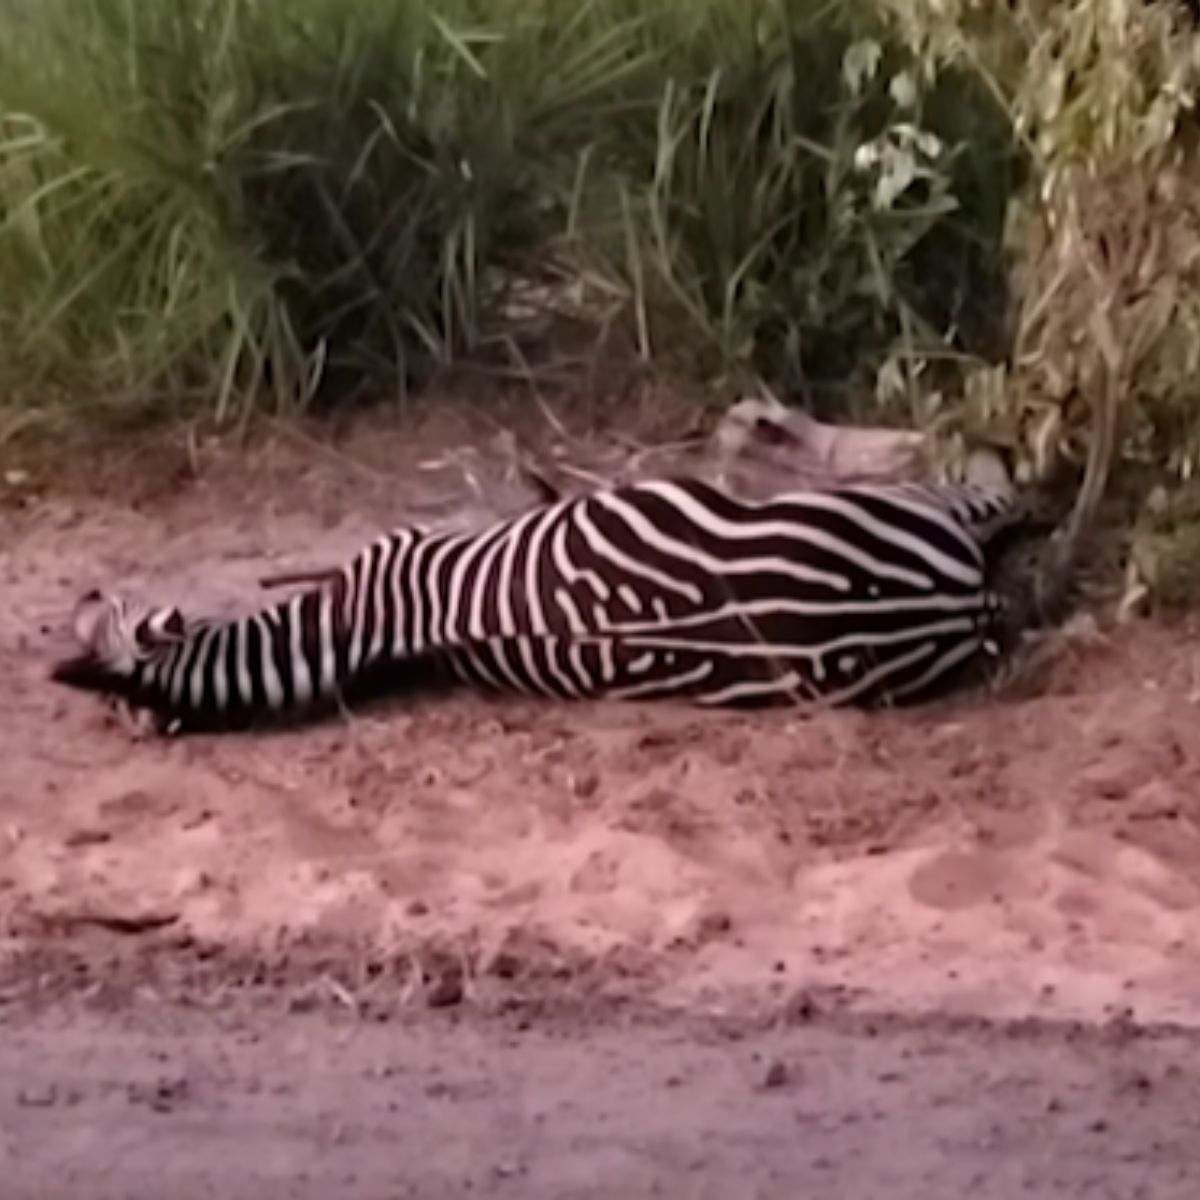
column 1106, row 243
column 807, row 198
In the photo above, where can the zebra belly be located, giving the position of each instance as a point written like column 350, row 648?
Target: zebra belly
column 746, row 661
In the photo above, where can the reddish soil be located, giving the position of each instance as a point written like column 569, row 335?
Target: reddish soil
column 1032, row 853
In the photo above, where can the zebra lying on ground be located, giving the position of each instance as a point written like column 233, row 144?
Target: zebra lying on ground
column 857, row 594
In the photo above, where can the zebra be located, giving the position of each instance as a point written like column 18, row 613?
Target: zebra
column 862, row 594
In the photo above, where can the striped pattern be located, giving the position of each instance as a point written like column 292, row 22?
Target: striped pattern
column 861, row 594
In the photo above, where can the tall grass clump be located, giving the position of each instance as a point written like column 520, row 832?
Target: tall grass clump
column 234, row 203
column 240, row 201
column 1105, row 247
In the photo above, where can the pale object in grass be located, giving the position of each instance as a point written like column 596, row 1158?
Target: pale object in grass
column 761, row 448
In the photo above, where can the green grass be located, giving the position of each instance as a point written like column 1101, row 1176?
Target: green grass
column 232, row 204
column 231, row 201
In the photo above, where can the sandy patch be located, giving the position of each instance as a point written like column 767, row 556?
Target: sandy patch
column 1007, row 857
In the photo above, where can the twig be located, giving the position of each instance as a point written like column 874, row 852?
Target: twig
column 329, row 452
column 299, row 578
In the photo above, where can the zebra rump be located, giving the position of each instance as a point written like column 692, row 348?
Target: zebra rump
column 863, row 594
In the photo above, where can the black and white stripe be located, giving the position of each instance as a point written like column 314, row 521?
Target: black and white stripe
column 656, row 589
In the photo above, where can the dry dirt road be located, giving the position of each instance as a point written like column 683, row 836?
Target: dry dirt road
column 1032, row 855
column 151, row 1102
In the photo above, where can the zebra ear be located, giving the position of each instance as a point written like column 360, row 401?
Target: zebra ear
column 164, row 627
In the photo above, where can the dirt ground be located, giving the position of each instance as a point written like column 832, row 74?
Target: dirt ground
column 1028, row 855
column 146, row 1104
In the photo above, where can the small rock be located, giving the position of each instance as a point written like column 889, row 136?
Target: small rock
column 802, row 1008
column 585, row 785
column 446, row 991
column 506, row 966
column 1111, row 778
column 162, row 1097
column 777, row 1075
column 45, row 1097
column 303, row 1001
column 87, row 837
column 713, row 924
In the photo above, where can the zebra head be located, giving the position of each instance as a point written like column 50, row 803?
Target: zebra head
column 118, row 636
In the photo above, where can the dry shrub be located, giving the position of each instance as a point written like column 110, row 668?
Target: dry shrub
column 1105, row 244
